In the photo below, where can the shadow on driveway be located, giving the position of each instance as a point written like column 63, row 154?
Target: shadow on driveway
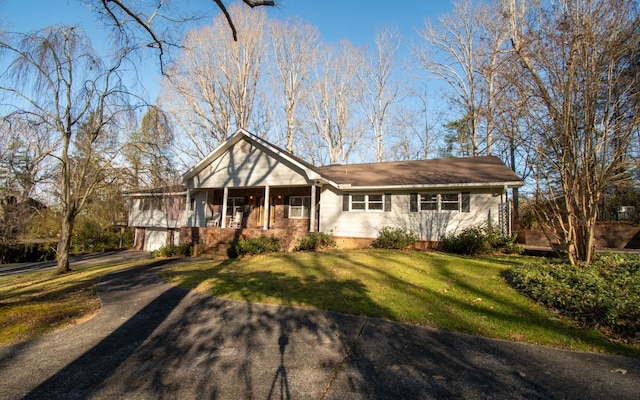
column 79, row 378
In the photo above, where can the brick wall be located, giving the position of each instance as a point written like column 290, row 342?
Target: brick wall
column 607, row 236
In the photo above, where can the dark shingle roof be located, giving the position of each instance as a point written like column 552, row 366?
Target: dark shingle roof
column 446, row 171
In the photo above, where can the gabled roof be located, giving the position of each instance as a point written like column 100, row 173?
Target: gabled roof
column 241, row 134
column 448, row 172
column 486, row 171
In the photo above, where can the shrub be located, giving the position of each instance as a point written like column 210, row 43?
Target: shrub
column 174, row 250
column 246, row 246
column 605, row 293
column 395, row 238
column 314, row 242
column 481, row 239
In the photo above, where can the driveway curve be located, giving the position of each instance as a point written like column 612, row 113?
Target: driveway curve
column 152, row 340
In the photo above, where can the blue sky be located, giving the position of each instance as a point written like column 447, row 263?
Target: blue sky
column 354, row 20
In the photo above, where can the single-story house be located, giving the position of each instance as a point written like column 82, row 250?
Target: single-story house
column 250, row 187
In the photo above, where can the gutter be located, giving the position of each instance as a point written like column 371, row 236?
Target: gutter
column 499, row 185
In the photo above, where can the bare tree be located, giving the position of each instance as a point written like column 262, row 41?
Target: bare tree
column 575, row 58
column 294, row 47
column 148, row 151
column 57, row 83
column 212, row 88
column 23, row 153
column 451, row 54
column 380, row 93
column 493, row 40
column 158, row 24
column 335, row 97
column 415, row 129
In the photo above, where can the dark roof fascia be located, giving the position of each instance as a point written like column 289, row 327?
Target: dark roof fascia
column 176, row 190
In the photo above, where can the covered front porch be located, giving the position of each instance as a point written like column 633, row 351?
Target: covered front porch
column 255, row 208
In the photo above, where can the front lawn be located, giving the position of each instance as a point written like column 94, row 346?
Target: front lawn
column 439, row 290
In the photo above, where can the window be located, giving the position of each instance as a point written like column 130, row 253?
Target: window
column 450, row 202
column 375, row 202
column 299, row 207
column 234, row 205
column 146, row 204
column 370, row 202
column 440, row 202
column 358, row 202
column 428, row 202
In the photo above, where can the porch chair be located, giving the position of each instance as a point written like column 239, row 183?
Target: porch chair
column 214, row 220
column 236, row 221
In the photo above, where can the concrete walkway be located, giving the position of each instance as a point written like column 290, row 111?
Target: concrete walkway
column 155, row 341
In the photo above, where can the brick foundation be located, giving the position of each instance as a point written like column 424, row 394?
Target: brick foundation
column 211, row 237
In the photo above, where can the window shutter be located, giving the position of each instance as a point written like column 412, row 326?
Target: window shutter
column 413, row 202
column 466, row 202
column 345, row 202
column 387, row 202
column 286, row 206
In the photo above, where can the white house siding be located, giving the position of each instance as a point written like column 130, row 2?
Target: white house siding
column 245, row 165
column 154, row 217
column 197, row 217
column 429, row 225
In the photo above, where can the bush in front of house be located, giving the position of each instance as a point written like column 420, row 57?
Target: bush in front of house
column 314, row 242
column 481, row 239
column 604, row 294
column 253, row 246
column 174, row 250
column 395, row 238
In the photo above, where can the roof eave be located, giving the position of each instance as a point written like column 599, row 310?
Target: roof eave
column 500, row 185
column 150, row 194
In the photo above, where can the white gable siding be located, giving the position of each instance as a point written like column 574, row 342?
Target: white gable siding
column 246, row 165
column 429, row 225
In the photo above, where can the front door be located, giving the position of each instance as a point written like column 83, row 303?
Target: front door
column 260, row 213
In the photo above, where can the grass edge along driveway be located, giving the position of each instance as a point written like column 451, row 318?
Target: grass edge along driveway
column 438, row 290
column 33, row 304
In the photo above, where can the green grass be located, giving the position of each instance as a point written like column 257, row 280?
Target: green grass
column 33, row 304
column 432, row 289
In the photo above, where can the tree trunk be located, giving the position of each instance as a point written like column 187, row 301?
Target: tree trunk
column 64, row 245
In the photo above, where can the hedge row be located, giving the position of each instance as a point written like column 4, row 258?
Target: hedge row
column 604, row 294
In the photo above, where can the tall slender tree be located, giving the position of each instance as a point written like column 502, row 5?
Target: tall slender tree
column 294, row 49
column 381, row 93
column 212, row 89
column 332, row 107
column 56, row 82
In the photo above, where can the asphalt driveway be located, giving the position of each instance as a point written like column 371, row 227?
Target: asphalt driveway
column 76, row 261
column 152, row 341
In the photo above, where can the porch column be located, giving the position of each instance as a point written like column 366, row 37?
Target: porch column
column 225, row 195
column 265, row 216
column 312, row 217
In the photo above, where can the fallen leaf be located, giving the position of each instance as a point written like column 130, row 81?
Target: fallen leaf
column 522, row 374
column 439, row 378
column 622, row 371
